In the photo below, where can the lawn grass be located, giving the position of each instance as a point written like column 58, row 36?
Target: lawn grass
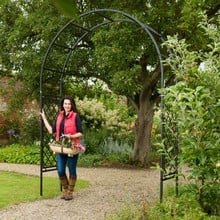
column 18, row 188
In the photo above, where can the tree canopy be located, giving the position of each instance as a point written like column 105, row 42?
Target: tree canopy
column 28, row 27
column 119, row 54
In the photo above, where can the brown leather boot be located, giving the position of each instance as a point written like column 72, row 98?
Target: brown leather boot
column 65, row 184
column 72, row 182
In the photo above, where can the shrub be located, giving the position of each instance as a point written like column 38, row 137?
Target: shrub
column 30, row 127
column 95, row 115
column 100, row 123
column 16, row 153
column 195, row 100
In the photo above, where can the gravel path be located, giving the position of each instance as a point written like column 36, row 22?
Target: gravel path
column 109, row 190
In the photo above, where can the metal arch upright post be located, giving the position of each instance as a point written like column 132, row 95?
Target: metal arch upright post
column 41, row 133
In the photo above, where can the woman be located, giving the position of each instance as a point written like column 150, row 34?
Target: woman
column 68, row 123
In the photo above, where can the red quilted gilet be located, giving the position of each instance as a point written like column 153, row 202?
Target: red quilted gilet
column 69, row 126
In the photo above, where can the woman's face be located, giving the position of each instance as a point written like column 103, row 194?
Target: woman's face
column 67, row 105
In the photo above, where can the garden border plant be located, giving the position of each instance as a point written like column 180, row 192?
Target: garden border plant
column 196, row 100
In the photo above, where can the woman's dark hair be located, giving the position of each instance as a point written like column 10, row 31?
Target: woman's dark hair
column 73, row 104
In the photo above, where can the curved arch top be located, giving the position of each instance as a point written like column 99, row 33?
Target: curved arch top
column 57, row 63
column 103, row 17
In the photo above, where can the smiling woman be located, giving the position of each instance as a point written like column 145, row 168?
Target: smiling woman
column 67, row 125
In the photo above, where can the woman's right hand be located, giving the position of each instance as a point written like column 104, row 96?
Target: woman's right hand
column 42, row 114
column 48, row 126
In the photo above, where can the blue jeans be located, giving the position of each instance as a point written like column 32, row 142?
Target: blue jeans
column 63, row 160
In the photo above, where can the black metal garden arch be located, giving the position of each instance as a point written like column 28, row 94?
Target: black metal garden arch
column 55, row 66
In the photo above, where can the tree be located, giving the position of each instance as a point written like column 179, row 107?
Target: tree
column 128, row 61
column 26, row 29
column 130, row 58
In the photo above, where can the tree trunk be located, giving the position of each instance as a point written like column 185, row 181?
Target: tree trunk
column 143, row 132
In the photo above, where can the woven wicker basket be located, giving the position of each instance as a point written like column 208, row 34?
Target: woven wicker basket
column 58, row 148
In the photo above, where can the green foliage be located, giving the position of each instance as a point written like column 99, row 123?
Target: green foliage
column 16, row 153
column 185, row 206
column 12, row 122
column 119, row 54
column 67, row 7
column 90, row 160
column 26, row 125
column 112, row 101
column 195, row 100
column 118, row 51
column 102, row 149
column 30, row 127
column 24, row 35
column 93, row 88
column 30, row 154
column 116, row 151
column 93, row 139
column 110, row 145
column 95, row 116
column 102, row 121
column 131, row 212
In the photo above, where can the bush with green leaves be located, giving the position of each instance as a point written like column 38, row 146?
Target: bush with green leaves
column 30, row 154
column 30, row 127
column 195, row 99
column 21, row 154
column 101, row 122
column 101, row 145
column 178, row 208
column 93, row 139
column 185, row 206
column 95, row 115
